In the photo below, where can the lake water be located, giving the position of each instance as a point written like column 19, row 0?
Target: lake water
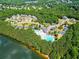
column 12, row 50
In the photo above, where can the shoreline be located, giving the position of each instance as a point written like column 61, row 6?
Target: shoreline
column 37, row 52
column 40, row 53
column 27, row 46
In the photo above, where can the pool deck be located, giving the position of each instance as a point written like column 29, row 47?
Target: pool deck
column 44, row 36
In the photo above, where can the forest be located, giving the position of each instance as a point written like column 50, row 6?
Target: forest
column 68, row 46
column 65, row 48
column 44, row 15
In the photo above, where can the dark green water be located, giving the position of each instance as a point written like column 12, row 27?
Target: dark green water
column 12, row 50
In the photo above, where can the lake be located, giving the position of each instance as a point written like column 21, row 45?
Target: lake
column 12, row 50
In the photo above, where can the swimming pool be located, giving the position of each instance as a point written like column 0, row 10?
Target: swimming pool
column 49, row 38
column 44, row 36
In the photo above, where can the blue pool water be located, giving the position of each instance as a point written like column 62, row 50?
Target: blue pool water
column 49, row 38
column 44, row 35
